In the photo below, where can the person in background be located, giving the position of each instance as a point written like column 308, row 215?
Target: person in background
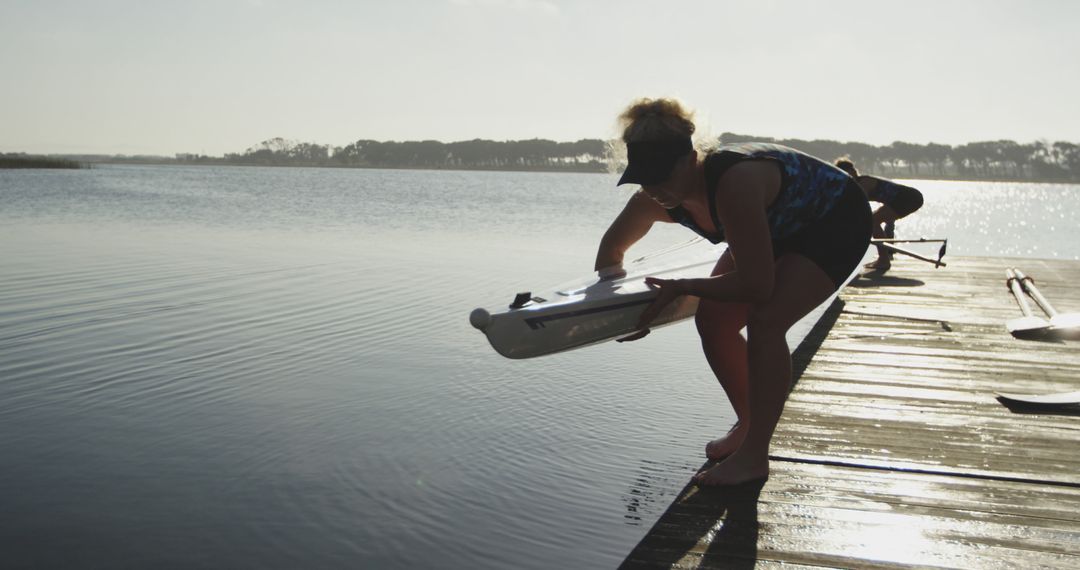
column 897, row 201
column 796, row 229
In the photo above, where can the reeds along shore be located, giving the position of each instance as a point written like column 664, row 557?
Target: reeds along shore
column 27, row 161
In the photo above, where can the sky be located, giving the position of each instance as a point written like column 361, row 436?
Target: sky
column 219, row 76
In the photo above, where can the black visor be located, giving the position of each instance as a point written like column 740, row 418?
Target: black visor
column 651, row 162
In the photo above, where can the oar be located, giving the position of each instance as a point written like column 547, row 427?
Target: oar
column 1065, row 324
column 1027, row 326
column 937, row 262
column 898, row 240
column 1063, row 399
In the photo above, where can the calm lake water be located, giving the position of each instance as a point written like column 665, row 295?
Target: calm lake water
column 273, row 368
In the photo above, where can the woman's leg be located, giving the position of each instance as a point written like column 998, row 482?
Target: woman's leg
column 883, row 215
column 800, row 287
column 719, row 324
column 726, row 350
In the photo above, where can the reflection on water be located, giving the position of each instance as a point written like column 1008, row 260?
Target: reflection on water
column 653, row 489
column 998, row 218
column 222, row 367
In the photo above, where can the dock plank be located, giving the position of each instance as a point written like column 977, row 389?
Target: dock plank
column 893, row 450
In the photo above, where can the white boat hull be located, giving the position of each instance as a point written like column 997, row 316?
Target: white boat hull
column 575, row 316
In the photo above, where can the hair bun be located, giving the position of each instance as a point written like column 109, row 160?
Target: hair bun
column 654, row 119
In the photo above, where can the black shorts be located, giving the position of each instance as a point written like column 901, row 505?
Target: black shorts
column 837, row 242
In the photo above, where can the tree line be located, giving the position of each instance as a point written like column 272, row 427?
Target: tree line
column 587, row 155
column 23, row 160
column 987, row 160
column 996, row 160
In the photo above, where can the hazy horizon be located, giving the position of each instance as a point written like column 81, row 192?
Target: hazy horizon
column 161, row 78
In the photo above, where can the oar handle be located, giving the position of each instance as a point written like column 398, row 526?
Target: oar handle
column 1029, row 285
column 1013, row 283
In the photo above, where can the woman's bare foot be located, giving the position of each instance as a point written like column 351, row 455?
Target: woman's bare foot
column 722, row 447
column 879, row 264
column 739, row 468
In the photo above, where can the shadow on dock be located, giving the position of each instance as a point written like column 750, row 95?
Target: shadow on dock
column 706, row 527
column 875, row 279
column 1042, row 409
column 804, row 353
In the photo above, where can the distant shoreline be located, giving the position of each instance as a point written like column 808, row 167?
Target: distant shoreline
column 58, row 163
column 20, row 161
column 986, row 161
column 166, row 161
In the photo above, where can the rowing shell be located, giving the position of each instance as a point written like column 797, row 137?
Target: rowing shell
column 592, row 310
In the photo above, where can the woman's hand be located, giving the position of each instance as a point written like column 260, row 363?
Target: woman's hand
column 669, row 290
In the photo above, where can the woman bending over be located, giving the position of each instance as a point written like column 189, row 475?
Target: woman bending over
column 796, row 228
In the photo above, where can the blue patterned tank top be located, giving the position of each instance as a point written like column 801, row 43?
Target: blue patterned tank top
column 808, row 188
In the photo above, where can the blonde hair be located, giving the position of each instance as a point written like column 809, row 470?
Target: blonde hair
column 656, row 119
column 648, row 119
column 844, row 163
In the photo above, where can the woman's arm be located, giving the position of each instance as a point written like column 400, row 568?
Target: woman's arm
column 743, row 194
column 635, row 220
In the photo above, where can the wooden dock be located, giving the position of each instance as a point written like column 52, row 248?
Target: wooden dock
column 893, row 451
